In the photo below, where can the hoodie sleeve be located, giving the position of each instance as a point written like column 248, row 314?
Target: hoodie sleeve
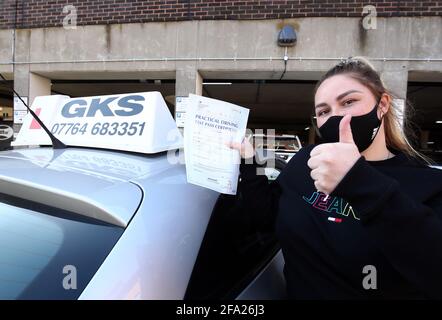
column 409, row 233
column 258, row 196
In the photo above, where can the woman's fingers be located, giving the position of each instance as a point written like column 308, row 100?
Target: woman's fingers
column 245, row 148
column 236, row 145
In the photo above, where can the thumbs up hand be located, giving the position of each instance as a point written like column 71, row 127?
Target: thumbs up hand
column 330, row 162
column 345, row 135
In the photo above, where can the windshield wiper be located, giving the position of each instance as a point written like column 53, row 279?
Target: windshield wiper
column 56, row 144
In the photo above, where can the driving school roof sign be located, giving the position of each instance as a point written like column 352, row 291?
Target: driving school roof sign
column 138, row 122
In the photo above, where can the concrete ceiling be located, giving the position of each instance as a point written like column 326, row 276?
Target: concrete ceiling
column 108, row 75
column 94, row 88
column 258, row 75
column 424, row 76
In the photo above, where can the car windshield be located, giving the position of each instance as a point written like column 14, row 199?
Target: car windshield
column 281, row 143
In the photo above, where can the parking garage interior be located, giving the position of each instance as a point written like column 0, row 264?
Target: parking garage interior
column 426, row 114
column 6, row 100
column 286, row 106
column 283, row 105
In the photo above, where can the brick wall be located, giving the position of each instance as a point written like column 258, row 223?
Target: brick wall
column 44, row 13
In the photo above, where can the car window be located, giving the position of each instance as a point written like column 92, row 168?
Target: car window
column 233, row 252
column 48, row 253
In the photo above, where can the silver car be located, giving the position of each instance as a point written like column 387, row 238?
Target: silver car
column 84, row 223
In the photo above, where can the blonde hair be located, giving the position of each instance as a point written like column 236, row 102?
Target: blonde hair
column 360, row 69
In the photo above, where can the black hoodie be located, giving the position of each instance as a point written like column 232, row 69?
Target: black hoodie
column 378, row 234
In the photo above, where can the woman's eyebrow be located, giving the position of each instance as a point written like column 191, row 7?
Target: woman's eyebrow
column 323, row 104
column 342, row 95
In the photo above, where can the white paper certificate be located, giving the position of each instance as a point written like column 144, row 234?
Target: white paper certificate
column 210, row 123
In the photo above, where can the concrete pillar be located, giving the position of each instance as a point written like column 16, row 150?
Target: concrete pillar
column 29, row 85
column 21, row 86
column 396, row 81
column 188, row 80
column 21, row 80
column 38, row 86
column 21, row 71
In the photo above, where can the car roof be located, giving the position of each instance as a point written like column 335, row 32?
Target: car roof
column 89, row 182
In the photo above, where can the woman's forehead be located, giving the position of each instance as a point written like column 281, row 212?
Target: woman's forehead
column 337, row 85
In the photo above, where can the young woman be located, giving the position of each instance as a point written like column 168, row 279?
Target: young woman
column 359, row 215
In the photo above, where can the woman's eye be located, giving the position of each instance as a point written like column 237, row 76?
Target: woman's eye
column 348, row 102
column 323, row 112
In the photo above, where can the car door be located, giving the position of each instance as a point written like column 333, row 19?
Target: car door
column 237, row 259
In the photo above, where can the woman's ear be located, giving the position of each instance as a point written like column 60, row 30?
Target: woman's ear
column 384, row 104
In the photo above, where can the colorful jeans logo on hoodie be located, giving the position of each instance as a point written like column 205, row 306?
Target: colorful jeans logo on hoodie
column 329, row 204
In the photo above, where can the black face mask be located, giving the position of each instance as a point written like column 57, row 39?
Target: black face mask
column 364, row 129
